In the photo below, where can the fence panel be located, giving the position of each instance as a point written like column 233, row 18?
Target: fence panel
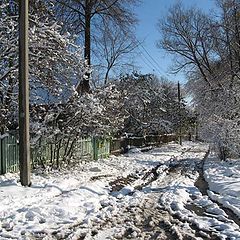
column 103, row 148
column 9, row 156
column 84, row 148
column 13, row 154
column 54, row 154
column 118, row 146
column 62, row 150
column 136, row 141
column 40, row 153
column 2, row 159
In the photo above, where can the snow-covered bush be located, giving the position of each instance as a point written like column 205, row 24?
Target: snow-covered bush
column 97, row 113
column 56, row 64
column 63, row 125
column 218, row 114
column 151, row 104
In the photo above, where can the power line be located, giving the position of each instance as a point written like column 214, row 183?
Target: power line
column 152, row 63
column 150, row 56
column 148, row 62
column 157, row 66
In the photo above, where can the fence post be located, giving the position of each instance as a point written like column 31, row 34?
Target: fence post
column 95, row 148
column 3, row 157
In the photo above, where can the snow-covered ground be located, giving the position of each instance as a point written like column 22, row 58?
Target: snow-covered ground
column 224, row 182
column 139, row 195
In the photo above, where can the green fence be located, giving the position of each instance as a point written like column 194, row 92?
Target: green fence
column 60, row 150
column 101, row 148
column 9, row 161
column 55, row 153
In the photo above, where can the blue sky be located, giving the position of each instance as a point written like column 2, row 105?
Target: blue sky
column 148, row 12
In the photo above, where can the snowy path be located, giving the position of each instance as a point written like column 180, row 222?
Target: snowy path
column 150, row 195
column 171, row 207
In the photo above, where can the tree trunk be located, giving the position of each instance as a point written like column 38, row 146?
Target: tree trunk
column 85, row 87
column 106, row 76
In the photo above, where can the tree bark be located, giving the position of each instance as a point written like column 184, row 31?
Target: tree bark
column 87, row 50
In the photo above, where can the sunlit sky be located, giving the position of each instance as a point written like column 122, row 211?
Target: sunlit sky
column 149, row 12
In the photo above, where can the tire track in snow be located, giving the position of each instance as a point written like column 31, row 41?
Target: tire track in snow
column 228, row 218
column 149, row 218
column 203, row 187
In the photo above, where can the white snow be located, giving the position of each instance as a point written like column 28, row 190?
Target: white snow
column 68, row 204
column 224, row 182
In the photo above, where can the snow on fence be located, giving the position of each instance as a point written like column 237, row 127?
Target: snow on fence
column 61, row 150
column 55, row 153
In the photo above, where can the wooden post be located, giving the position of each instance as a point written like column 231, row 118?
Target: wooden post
column 24, row 143
column 180, row 117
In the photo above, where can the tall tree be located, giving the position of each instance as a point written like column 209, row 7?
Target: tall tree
column 227, row 36
column 84, row 15
column 210, row 46
column 186, row 34
column 114, row 48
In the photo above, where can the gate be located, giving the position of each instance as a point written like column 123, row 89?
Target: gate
column 9, row 158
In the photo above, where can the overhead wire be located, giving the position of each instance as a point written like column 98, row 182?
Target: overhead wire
column 145, row 50
column 152, row 61
column 148, row 63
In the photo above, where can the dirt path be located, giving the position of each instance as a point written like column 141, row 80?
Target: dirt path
column 141, row 212
column 145, row 221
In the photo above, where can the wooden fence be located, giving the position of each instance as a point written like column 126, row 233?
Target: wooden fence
column 9, row 161
column 52, row 153
column 121, row 145
column 62, row 150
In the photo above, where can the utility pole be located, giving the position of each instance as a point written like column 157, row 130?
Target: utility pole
column 179, row 111
column 24, row 143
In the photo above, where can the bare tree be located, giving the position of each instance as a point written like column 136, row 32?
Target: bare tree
column 217, row 101
column 186, row 34
column 227, row 37
column 114, row 47
column 81, row 16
